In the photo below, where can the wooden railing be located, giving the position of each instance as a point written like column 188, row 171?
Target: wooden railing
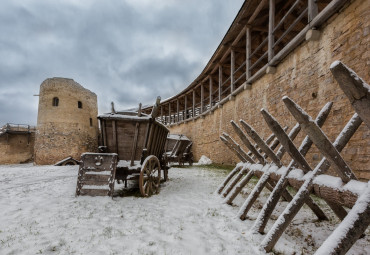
column 256, row 60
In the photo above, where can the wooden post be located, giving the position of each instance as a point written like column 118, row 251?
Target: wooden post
column 169, row 113
column 201, row 98
column 210, row 91
column 271, row 29
column 193, row 103
column 186, row 107
column 178, row 110
column 235, row 181
column 114, row 138
column 312, row 10
column 248, row 52
column 219, row 82
column 232, row 70
column 162, row 113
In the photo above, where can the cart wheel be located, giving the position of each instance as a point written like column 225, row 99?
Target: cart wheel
column 150, row 176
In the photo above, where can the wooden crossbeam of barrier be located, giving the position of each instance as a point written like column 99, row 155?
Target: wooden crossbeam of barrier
column 299, row 199
column 292, row 135
column 350, row 229
column 227, row 143
column 274, row 197
column 228, row 178
column 356, row 89
column 237, row 147
column 286, row 141
column 264, row 179
column 320, row 140
column 247, row 143
column 264, row 147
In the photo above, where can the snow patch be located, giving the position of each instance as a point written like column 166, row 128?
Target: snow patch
column 204, row 161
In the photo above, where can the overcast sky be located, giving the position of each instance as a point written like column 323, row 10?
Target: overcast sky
column 126, row 51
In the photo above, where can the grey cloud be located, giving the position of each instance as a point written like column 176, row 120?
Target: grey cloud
column 127, row 52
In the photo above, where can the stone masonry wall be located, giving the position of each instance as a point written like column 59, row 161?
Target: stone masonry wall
column 305, row 77
column 16, row 148
column 65, row 130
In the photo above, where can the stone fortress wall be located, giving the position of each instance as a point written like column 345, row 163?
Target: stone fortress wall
column 68, row 128
column 16, row 148
column 305, row 77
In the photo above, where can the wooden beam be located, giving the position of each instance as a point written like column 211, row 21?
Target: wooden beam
column 228, row 178
column 271, row 29
column 248, row 46
column 257, row 11
column 210, row 91
column 356, row 89
column 193, row 115
column 312, row 10
column 169, row 113
column 219, row 81
column 186, row 106
column 201, row 98
column 320, row 140
column 304, row 191
column 232, row 70
column 178, row 109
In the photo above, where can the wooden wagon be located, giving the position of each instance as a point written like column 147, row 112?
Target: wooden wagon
column 178, row 149
column 132, row 147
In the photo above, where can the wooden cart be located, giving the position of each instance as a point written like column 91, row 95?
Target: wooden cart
column 178, row 149
column 132, row 146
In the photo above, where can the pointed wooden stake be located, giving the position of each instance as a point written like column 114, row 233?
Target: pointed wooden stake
column 357, row 90
column 320, row 140
column 238, row 148
column 351, row 229
column 303, row 193
column 237, row 178
column 264, row 147
column 273, row 199
column 227, row 143
column 247, row 143
column 228, row 178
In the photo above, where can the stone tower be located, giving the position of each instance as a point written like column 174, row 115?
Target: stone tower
column 66, row 122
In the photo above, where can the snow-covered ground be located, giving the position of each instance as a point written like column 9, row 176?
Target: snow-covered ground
column 41, row 215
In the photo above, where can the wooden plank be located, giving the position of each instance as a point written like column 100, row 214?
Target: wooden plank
column 256, row 12
column 104, row 131
column 264, row 147
column 94, row 192
column 356, row 89
column 134, row 144
column 320, row 140
column 95, row 177
column 247, row 143
column 304, row 191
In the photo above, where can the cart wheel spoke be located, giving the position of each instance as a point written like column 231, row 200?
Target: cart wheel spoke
column 149, row 179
